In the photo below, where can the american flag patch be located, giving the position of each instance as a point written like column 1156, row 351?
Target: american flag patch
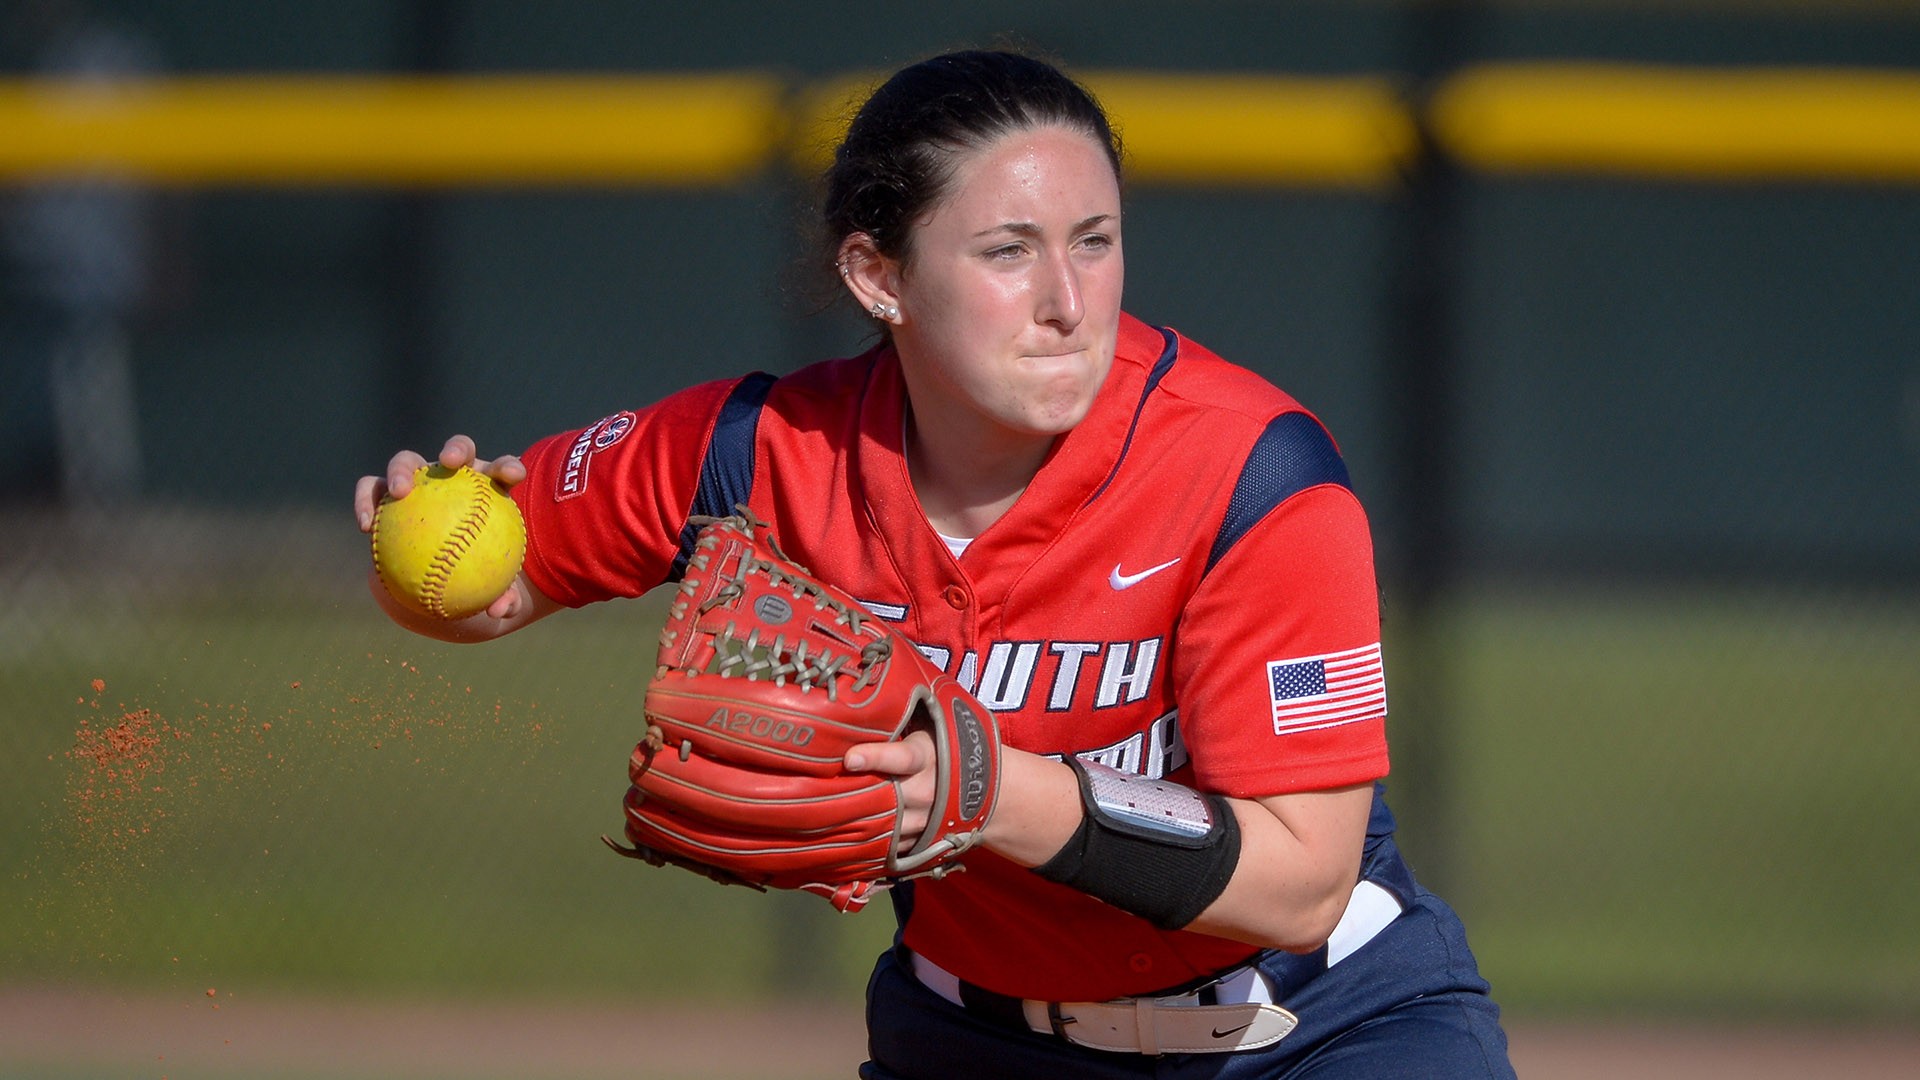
column 1327, row 691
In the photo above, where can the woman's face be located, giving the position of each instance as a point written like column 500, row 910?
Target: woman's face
column 1010, row 298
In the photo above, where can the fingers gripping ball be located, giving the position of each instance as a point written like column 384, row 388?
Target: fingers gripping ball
column 767, row 676
column 451, row 546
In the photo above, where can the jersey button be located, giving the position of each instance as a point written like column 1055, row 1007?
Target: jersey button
column 956, row 597
column 1140, row 962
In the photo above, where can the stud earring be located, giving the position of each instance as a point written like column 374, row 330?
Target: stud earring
column 884, row 312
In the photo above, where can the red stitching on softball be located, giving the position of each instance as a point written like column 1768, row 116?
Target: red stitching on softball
column 440, row 571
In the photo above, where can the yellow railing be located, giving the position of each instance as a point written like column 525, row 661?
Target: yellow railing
column 1259, row 130
column 687, row 130
column 1189, row 130
column 1816, row 124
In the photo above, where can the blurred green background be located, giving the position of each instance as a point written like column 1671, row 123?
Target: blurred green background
column 1664, row 800
column 1643, row 455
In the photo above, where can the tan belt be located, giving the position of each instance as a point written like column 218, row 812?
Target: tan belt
column 1246, row 1017
column 1162, row 1026
column 1165, row 1025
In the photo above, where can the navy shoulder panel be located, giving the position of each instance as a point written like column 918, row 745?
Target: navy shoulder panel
column 1291, row 455
column 726, row 473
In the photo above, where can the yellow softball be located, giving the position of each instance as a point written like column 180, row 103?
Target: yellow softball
column 451, row 546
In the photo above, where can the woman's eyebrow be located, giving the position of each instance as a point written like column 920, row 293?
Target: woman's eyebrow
column 1028, row 228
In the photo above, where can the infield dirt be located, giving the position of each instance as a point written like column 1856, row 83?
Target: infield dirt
column 266, row 1035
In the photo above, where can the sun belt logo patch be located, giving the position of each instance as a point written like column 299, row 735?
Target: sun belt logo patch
column 600, row 436
column 612, row 430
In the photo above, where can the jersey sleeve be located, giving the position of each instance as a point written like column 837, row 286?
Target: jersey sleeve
column 1280, row 680
column 605, row 504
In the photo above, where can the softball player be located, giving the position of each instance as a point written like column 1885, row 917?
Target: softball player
column 1148, row 562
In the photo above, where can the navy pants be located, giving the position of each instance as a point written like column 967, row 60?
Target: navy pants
column 1408, row 1004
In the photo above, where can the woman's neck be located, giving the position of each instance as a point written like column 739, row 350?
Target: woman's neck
column 966, row 480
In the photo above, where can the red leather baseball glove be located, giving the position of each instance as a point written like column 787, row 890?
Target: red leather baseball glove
column 767, row 676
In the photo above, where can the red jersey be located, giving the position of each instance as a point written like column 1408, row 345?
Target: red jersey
column 1186, row 589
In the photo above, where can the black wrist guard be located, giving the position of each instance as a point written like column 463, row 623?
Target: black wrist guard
column 1150, row 847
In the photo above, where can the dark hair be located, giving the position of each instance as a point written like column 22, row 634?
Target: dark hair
column 900, row 150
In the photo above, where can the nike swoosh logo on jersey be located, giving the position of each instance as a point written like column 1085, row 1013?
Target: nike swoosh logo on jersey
column 1127, row 581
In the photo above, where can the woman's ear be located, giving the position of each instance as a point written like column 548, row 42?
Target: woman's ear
column 872, row 278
